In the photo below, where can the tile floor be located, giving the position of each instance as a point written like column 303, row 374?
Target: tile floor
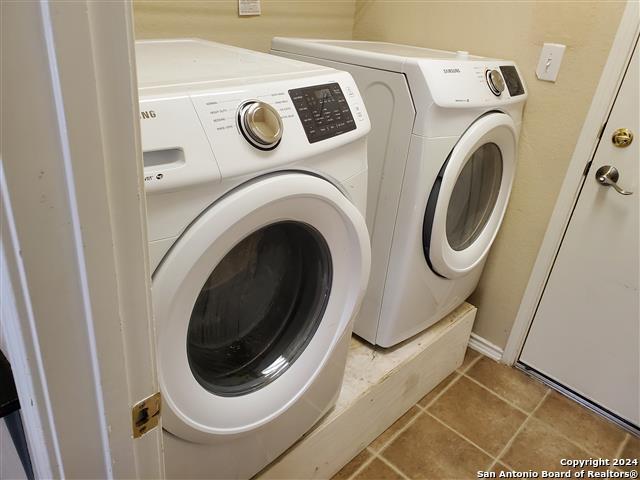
column 487, row 416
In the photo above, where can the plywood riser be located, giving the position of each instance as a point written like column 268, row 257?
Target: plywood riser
column 352, row 425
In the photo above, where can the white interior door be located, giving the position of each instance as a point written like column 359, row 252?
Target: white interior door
column 586, row 331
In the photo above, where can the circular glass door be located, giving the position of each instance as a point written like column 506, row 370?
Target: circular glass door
column 469, row 197
column 259, row 308
column 252, row 300
column 474, row 196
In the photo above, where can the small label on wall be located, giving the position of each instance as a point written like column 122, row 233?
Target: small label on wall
column 248, row 7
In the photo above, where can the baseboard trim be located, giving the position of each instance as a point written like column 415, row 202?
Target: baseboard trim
column 485, row 347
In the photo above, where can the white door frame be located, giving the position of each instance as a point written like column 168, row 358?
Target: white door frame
column 588, row 140
column 76, row 316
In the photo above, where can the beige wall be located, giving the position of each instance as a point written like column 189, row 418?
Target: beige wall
column 219, row 21
column 553, row 117
column 514, row 30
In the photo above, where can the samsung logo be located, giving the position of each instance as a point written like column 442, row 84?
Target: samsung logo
column 451, row 70
column 147, row 114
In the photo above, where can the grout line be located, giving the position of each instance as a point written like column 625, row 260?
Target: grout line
column 623, row 444
column 432, row 401
column 495, row 460
column 377, row 454
column 503, row 464
column 520, row 409
column 558, row 432
column 567, row 438
column 471, row 363
column 400, row 431
column 490, row 455
column 392, row 466
column 364, row 465
column 529, row 414
column 421, row 409
column 517, row 432
column 571, row 440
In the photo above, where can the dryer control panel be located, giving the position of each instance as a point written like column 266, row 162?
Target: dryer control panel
column 323, row 111
column 474, row 83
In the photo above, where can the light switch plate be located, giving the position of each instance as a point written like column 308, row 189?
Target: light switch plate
column 550, row 60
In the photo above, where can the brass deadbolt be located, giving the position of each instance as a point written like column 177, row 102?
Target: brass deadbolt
column 622, row 137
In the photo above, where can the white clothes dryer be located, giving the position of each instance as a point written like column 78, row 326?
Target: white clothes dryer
column 255, row 174
column 442, row 157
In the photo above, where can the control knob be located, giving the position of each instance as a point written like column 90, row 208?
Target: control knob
column 260, row 124
column 495, row 82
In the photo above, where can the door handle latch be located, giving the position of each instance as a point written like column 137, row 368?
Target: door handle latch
column 608, row 176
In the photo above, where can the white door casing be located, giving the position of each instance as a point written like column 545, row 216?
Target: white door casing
column 194, row 413
column 74, row 238
column 493, row 129
column 585, row 334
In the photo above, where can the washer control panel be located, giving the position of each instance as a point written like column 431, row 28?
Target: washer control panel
column 257, row 127
column 323, row 111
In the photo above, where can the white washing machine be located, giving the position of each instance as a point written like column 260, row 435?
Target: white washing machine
column 256, row 174
column 442, row 157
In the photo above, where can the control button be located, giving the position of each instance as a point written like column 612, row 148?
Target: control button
column 260, row 124
column 495, row 82
column 327, row 110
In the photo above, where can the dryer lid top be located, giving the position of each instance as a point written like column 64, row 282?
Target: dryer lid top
column 388, row 56
column 193, row 61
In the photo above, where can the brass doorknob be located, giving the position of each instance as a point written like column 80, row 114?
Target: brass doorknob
column 622, row 137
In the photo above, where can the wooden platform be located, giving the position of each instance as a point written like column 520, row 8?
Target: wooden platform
column 380, row 385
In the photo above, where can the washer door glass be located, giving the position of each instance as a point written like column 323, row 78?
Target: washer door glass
column 259, row 308
column 474, row 196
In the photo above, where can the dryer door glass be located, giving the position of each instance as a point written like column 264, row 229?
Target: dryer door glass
column 469, row 197
column 259, row 308
column 474, row 196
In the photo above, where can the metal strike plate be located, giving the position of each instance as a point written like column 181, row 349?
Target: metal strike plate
column 145, row 415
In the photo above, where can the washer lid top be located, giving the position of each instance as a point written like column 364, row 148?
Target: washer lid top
column 162, row 63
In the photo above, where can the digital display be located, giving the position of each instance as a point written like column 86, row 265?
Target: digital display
column 511, row 78
column 323, row 111
column 324, row 94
